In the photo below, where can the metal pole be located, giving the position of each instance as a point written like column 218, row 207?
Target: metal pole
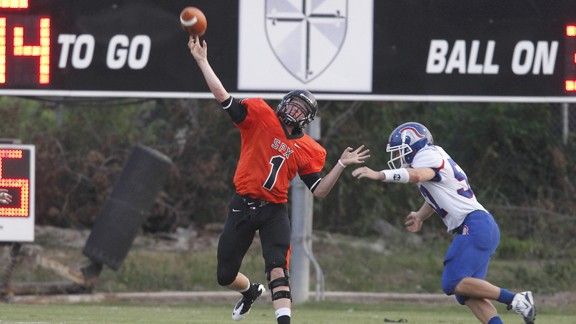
column 301, row 241
column 565, row 126
column 299, row 263
column 5, row 288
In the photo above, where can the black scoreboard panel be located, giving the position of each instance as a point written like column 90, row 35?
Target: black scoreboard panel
column 422, row 49
column 494, row 48
column 102, row 46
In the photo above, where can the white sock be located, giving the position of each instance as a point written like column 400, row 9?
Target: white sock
column 284, row 311
column 246, row 289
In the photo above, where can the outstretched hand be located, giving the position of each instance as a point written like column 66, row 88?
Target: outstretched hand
column 413, row 222
column 198, row 50
column 354, row 156
column 366, row 172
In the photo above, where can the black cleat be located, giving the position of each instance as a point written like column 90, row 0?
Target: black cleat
column 243, row 306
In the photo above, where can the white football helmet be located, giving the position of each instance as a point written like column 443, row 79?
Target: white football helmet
column 405, row 141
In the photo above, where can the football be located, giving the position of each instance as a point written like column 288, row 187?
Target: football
column 193, row 21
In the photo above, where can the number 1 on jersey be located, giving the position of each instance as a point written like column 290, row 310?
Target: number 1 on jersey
column 276, row 163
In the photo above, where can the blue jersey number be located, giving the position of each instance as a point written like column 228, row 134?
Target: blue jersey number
column 465, row 192
column 441, row 212
column 461, row 176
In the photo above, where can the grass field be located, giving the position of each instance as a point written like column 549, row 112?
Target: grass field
column 350, row 264
column 367, row 264
column 311, row 313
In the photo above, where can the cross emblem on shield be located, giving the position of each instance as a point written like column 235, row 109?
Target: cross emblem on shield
column 306, row 36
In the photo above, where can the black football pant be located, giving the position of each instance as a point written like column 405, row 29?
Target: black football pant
column 273, row 224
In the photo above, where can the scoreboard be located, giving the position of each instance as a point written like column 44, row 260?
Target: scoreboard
column 17, row 176
column 431, row 50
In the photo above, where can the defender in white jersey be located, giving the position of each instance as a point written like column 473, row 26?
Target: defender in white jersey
column 450, row 188
column 415, row 159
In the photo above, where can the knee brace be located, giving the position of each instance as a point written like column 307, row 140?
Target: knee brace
column 280, row 282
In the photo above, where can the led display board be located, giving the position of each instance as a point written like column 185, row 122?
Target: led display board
column 439, row 50
column 17, row 193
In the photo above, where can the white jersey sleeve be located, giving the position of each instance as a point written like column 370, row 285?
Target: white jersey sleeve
column 448, row 192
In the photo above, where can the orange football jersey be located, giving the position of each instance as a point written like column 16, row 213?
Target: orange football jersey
column 269, row 158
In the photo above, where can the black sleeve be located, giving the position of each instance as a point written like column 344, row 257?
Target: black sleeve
column 235, row 109
column 311, row 180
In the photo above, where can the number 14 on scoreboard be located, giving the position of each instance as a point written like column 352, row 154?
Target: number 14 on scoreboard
column 12, row 35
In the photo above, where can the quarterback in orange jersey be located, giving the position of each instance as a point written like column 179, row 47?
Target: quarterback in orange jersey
column 274, row 150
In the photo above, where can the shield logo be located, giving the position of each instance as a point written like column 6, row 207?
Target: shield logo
column 306, row 36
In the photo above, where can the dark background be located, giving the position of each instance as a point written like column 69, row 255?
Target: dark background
column 402, row 34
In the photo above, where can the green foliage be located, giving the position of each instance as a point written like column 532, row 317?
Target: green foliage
column 512, row 154
column 348, row 266
column 561, row 272
column 516, row 248
column 348, row 263
column 179, row 272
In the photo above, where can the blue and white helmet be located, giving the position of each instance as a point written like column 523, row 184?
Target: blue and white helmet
column 405, row 141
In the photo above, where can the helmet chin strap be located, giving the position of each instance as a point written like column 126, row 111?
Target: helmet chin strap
column 293, row 126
